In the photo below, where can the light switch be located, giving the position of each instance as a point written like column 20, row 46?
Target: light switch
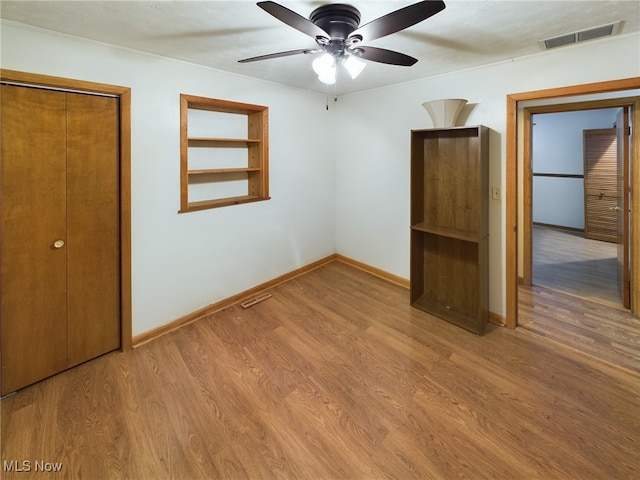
column 495, row 193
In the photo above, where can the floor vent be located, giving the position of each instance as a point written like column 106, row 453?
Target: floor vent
column 251, row 302
column 581, row 36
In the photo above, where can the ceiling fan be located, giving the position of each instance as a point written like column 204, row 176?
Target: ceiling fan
column 339, row 36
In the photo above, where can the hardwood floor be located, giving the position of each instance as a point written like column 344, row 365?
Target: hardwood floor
column 575, row 299
column 333, row 377
column 568, row 262
column 592, row 328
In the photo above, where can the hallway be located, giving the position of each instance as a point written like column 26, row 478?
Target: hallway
column 566, row 261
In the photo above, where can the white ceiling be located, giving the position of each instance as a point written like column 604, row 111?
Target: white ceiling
column 218, row 34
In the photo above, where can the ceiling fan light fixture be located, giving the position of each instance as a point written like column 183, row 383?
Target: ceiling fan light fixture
column 328, row 77
column 353, row 65
column 325, row 68
column 337, row 31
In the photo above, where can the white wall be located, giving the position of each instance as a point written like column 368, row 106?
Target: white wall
column 184, row 262
column 373, row 128
column 339, row 179
column 557, row 147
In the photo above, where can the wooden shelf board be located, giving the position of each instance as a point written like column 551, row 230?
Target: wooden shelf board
column 474, row 237
column 221, row 202
column 222, row 142
column 473, row 130
column 222, row 171
column 445, row 312
column 218, row 105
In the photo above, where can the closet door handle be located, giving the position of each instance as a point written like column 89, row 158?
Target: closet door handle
column 58, row 244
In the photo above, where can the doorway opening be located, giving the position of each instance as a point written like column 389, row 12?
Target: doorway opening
column 615, row 94
column 549, row 306
column 574, row 211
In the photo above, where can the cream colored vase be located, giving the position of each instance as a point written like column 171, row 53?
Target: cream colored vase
column 444, row 112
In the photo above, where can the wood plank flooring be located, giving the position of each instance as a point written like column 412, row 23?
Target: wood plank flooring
column 333, row 377
column 595, row 329
column 575, row 299
column 569, row 262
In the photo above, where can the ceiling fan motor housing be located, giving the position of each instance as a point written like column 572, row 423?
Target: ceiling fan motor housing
column 337, row 19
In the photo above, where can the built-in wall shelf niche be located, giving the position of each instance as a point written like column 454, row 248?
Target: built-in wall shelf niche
column 449, row 224
column 224, row 153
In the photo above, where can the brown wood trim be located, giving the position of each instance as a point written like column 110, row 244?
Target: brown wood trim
column 584, row 105
column 36, row 79
column 150, row 335
column 511, row 180
column 184, row 155
column 265, row 154
column 124, row 94
column 527, row 194
column 511, row 214
column 221, row 202
column 635, row 209
column 583, row 89
column 497, row 319
column 227, row 302
column 125, row 221
column 403, row 282
column 220, row 105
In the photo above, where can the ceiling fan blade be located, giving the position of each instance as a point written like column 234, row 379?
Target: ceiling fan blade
column 382, row 55
column 399, row 20
column 292, row 19
column 288, row 53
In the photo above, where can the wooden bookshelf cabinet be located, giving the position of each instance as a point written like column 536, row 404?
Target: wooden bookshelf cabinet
column 449, row 224
column 224, row 153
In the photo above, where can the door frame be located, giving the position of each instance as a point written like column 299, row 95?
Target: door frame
column 518, row 140
column 527, row 170
column 124, row 96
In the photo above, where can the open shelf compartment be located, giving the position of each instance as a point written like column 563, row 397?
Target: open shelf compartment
column 447, row 279
column 226, row 161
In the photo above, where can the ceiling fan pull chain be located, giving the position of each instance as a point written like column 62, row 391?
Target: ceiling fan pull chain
column 326, row 97
column 327, row 93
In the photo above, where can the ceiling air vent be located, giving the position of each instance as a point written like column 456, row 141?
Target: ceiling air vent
column 581, row 36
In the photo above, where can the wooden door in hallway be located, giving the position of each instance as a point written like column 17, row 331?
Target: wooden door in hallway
column 60, row 259
column 600, row 184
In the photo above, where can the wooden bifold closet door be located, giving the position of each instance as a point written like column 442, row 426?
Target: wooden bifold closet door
column 60, row 247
